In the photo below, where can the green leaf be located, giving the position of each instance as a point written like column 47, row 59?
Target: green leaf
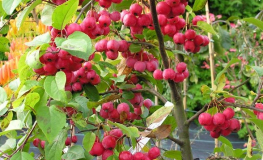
column 31, row 100
column 221, row 83
column 135, row 48
column 255, row 22
column 2, row 12
column 126, row 86
column 74, row 152
column 259, row 70
column 259, row 135
column 39, row 40
column 134, row 131
column 32, row 59
column 199, row 4
column 26, row 87
column 46, row 15
column 9, row 145
column 106, row 64
column 88, row 141
column 118, row 79
column 24, row 70
column 22, row 15
column 170, row 120
column 234, row 60
column 128, row 95
column 3, row 95
column 91, row 92
column 51, row 120
column 225, row 38
column 60, row 80
column 125, row 4
column 206, row 27
column 10, row 5
column 258, row 123
column 64, row 13
column 13, row 125
column 158, row 115
column 22, row 156
column 218, row 45
column 225, row 141
column 4, row 46
column 53, row 151
column 52, row 89
column 173, row 154
column 78, row 44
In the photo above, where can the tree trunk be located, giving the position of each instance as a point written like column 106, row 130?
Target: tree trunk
column 181, row 118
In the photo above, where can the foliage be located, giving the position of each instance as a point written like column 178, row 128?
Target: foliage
column 69, row 76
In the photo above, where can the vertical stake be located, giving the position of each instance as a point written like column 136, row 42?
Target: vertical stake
column 212, row 66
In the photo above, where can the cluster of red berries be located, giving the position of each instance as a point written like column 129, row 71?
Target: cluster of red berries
column 97, row 24
column 177, row 76
column 259, row 114
column 54, row 60
column 141, row 61
column 37, row 142
column 59, row 2
column 122, row 112
column 73, row 139
column 153, row 153
column 220, row 123
column 168, row 16
column 112, row 47
column 134, row 19
column 191, row 41
column 108, row 143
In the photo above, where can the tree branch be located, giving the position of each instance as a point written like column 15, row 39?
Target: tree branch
column 82, row 10
column 177, row 141
column 26, row 139
column 258, row 93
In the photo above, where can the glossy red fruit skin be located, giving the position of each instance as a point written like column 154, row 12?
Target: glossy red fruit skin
column 168, row 74
column 226, row 132
column 68, row 141
column 214, row 134
column 140, row 66
column 36, row 142
column 109, row 142
column 138, row 156
column 136, row 9
column 106, row 154
column 125, row 155
column 97, row 149
column 74, row 139
column 189, row 46
column 158, row 74
column 259, row 106
column 229, row 113
column 234, row 125
column 190, row 34
column 116, row 133
column 219, row 119
column 42, row 144
column 129, row 20
column 198, row 40
column 113, row 45
column 123, row 107
column 154, row 153
column 205, row 119
column 181, row 67
column 179, row 38
column 163, row 8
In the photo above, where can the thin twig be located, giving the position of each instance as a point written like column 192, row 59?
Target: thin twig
column 249, row 131
column 258, row 93
column 177, row 141
column 16, row 13
column 83, row 9
column 25, row 141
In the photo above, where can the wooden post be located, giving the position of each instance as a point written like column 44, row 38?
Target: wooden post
column 211, row 57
